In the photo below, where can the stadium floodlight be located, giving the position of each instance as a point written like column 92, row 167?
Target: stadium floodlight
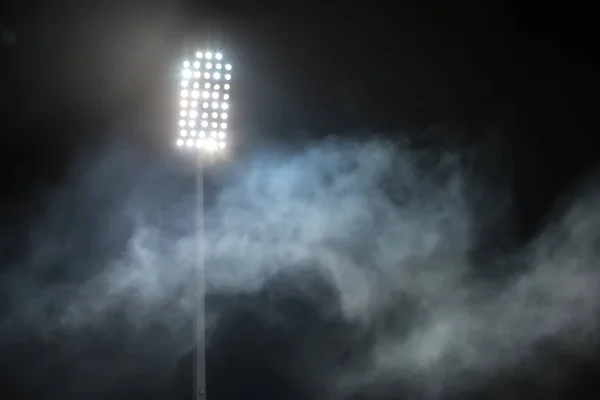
column 202, row 130
column 191, row 82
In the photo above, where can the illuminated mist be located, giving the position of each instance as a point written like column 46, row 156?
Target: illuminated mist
column 376, row 238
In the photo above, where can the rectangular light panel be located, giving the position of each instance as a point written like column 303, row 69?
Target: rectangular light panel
column 204, row 102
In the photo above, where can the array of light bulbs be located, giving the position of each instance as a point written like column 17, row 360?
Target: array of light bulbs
column 204, row 103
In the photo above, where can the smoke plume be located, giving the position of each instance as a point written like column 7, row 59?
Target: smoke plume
column 376, row 239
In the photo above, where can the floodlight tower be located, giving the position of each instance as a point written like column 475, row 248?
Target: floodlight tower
column 202, row 132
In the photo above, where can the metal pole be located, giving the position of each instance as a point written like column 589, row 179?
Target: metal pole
column 200, row 317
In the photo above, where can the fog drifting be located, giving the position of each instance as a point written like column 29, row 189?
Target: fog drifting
column 392, row 230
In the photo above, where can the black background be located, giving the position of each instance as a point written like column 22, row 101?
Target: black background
column 524, row 73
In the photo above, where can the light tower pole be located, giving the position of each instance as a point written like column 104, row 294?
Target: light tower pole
column 203, row 115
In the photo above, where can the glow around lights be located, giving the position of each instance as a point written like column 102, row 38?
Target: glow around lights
column 204, row 102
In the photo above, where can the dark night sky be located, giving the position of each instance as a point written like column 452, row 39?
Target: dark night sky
column 524, row 70
column 80, row 75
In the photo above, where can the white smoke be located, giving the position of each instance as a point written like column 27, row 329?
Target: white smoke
column 391, row 229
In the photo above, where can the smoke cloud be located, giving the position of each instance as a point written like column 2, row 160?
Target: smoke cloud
column 375, row 239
